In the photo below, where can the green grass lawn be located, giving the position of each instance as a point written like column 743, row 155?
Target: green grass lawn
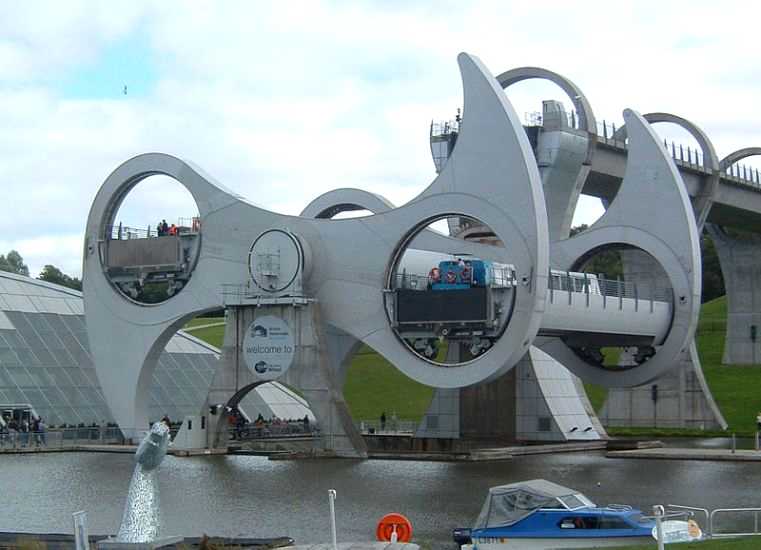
column 736, row 388
column 198, row 321
column 750, row 543
column 373, row 385
column 211, row 335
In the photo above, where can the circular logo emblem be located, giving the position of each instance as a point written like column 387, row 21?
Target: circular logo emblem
column 268, row 347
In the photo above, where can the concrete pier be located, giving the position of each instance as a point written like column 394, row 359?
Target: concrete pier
column 740, row 455
column 740, row 260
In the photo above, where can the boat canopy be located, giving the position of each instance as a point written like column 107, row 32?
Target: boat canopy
column 508, row 504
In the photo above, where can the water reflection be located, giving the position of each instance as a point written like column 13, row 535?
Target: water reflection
column 251, row 496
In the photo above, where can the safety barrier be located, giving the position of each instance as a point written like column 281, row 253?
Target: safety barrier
column 273, row 431
column 684, row 155
column 569, row 283
column 735, row 512
column 391, row 427
column 121, row 232
column 59, row 438
column 710, row 520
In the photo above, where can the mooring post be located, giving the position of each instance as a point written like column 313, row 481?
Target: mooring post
column 658, row 511
column 332, row 499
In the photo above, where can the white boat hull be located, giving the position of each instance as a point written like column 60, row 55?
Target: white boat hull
column 556, row 543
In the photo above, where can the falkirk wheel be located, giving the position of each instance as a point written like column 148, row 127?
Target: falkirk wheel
column 303, row 292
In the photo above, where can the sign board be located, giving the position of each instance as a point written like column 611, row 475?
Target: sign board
column 81, row 537
column 268, row 347
column 679, row 531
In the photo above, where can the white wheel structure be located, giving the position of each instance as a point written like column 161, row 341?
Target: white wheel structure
column 491, row 176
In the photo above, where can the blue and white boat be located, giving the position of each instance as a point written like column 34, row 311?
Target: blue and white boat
column 539, row 514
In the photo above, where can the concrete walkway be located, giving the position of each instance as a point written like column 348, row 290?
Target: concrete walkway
column 740, row 455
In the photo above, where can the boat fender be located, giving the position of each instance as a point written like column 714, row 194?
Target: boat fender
column 394, row 524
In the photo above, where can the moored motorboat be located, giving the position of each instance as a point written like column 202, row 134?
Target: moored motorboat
column 539, row 514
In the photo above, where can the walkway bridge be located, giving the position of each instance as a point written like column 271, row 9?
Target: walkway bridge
column 737, row 199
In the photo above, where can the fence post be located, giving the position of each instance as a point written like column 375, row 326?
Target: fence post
column 586, row 287
column 331, row 499
column 552, row 289
column 636, row 298
column 658, row 512
column 734, row 443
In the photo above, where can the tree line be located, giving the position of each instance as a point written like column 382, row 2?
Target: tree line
column 13, row 262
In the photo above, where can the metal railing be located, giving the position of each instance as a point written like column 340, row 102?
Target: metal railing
column 710, row 519
column 121, row 232
column 569, row 284
column 390, row 427
column 615, row 288
column 445, row 128
column 691, row 511
column 59, row 438
column 685, row 155
column 271, row 430
column 744, row 173
column 736, row 511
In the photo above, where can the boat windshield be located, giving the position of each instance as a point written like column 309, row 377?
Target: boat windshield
column 508, row 504
column 576, row 501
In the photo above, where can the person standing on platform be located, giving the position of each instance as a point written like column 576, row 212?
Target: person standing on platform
column 383, row 420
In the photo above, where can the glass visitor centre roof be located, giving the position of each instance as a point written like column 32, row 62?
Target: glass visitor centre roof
column 45, row 362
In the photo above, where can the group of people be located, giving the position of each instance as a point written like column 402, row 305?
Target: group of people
column 163, row 229
column 274, row 425
column 23, row 433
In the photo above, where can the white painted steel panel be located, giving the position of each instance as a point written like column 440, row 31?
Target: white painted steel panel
column 606, row 315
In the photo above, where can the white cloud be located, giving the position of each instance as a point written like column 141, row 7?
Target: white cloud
column 284, row 101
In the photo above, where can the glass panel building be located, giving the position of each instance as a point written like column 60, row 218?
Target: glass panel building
column 45, row 362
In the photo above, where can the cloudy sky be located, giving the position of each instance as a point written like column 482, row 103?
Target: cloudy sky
column 282, row 101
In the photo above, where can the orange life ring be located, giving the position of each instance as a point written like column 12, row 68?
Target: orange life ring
column 451, row 277
column 386, row 528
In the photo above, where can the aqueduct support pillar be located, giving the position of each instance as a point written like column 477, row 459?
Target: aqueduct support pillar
column 310, row 374
column 539, row 400
column 679, row 398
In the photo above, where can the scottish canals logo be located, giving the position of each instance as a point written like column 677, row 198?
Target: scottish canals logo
column 268, row 347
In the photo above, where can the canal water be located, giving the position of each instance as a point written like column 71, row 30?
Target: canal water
column 254, row 497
